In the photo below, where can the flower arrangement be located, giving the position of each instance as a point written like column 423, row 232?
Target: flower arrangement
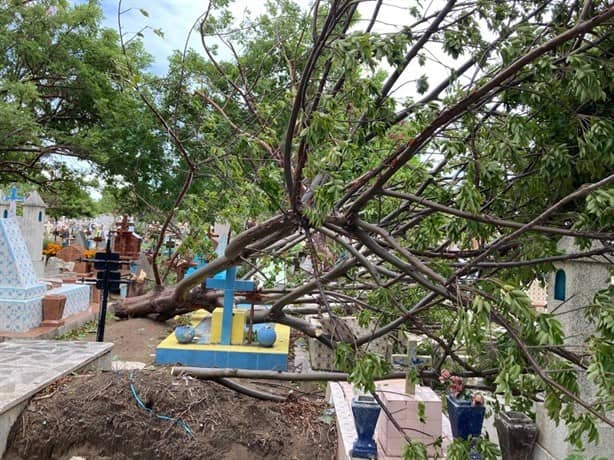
column 456, row 387
column 183, row 320
column 90, row 253
column 52, row 249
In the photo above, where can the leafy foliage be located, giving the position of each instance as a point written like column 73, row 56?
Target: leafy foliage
column 431, row 211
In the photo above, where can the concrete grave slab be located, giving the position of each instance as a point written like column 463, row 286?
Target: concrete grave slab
column 31, row 365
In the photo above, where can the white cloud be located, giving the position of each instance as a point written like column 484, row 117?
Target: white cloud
column 393, row 16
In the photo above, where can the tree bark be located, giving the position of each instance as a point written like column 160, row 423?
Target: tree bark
column 161, row 304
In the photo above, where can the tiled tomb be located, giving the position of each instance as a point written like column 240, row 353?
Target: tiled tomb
column 21, row 293
column 322, row 357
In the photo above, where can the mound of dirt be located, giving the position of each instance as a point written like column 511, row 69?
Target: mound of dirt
column 96, row 416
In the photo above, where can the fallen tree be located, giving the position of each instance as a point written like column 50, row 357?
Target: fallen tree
column 434, row 210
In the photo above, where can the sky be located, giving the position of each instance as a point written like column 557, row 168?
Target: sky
column 175, row 18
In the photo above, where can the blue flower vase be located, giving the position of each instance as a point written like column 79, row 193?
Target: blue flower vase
column 466, row 420
column 366, row 411
column 185, row 334
column 266, row 335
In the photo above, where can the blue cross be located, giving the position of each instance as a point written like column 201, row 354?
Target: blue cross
column 230, row 285
column 13, row 198
column 202, row 262
column 226, row 280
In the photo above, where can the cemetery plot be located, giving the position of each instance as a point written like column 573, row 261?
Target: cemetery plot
column 405, row 410
column 221, row 336
column 67, row 421
column 200, row 354
column 28, row 366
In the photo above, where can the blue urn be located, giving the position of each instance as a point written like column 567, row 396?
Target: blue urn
column 185, row 334
column 366, row 411
column 465, row 419
column 266, row 335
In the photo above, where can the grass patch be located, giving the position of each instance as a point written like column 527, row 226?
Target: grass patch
column 79, row 333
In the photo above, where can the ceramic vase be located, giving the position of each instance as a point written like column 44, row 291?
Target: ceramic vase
column 517, row 435
column 266, row 335
column 185, row 334
column 466, row 420
column 53, row 309
column 366, row 411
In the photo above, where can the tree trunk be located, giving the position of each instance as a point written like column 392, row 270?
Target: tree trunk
column 188, row 294
column 162, row 305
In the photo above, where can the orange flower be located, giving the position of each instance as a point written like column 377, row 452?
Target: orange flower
column 52, row 249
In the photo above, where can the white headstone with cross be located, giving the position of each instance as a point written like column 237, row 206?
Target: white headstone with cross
column 412, row 370
column 31, row 222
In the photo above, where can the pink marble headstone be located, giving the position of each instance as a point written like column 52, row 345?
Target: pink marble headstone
column 404, row 408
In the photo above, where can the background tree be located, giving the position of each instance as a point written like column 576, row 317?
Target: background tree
column 62, row 101
column 70, row 199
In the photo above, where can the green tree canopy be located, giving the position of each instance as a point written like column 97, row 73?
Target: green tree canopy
column 61, row 92
column 431, row 211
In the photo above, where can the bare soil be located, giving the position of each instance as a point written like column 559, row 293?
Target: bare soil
column 96, row 416
column 134, row 339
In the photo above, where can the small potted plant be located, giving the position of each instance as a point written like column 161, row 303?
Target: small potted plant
column 466, row 410
column 184, row 331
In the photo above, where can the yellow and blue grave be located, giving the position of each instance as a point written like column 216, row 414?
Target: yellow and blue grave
column 220, row 336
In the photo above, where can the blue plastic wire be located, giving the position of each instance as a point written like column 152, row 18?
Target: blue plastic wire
column 139, row 403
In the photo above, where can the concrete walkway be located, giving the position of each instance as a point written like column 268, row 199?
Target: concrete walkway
column 28, row 366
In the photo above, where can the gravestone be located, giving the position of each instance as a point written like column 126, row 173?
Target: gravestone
column 322, row 357
column 20, row 292
column 57, row 267
column 220, row 336
column 81, row 239
column 412, row 368
column 126, row 242
column 570, row 289
column 404, row 409
column 144, row 265
column 71, row 255
column 228, row 325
